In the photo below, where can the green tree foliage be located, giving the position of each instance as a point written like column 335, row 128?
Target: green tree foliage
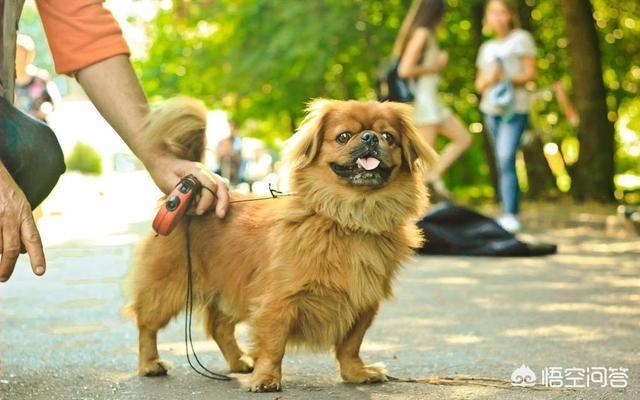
column 262, row 60
column 84, row 159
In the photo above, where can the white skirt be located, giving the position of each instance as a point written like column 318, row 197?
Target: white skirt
column 428, row 108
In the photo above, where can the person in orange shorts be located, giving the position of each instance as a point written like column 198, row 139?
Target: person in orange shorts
column 87, row 43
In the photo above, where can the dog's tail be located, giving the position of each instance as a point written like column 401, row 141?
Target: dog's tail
column 178, row 125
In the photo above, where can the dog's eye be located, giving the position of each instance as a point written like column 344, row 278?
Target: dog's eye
column 344, row 137
column 388, row 137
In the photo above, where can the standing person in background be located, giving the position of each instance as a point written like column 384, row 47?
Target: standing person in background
column 421, row 59
column 34, row 91
column 506, row 64
column 230, row 156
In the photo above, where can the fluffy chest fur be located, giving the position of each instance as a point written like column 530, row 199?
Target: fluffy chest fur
column 335, row 273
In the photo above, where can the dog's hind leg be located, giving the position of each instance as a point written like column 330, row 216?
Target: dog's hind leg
column 221, row 328
column 154, row 305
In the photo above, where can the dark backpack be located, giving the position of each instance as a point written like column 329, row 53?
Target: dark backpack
column 390, row 87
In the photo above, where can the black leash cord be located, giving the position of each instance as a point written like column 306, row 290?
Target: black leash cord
column 273, row 192
column 188, row 339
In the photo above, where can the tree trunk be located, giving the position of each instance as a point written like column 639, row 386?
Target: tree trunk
column 593, row 175
column 542, row 183
column 477, row 13
column 541, row 180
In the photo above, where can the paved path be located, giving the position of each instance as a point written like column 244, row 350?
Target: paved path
column 62, row 336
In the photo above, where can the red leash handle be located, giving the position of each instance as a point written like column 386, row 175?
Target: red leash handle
column 177, row 203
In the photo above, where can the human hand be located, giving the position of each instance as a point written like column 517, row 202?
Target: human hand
column 17, row 229
column 167, row 171
column 496, row 73
column 443, row 60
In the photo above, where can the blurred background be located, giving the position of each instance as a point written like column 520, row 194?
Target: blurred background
column 256, row 63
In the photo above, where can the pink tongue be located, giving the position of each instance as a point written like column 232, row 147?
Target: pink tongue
column 368, row 163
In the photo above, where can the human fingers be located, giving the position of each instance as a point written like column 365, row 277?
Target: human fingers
column 10, row 251
column 33, row 245
column 206, row 200
column 222, row 205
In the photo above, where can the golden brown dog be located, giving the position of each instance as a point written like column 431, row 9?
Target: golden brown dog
column 309, row 269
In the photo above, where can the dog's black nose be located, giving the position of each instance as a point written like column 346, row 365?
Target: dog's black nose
column 369, row 138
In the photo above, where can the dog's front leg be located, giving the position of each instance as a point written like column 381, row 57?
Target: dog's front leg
column 271, row 325
column 352, row 369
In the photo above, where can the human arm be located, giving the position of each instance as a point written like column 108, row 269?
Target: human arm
column 17, row 228
column 410, row 66
column 528, row 73
column 114, row 89
column 87, row 42
column 526, row 54
column 487, row 72
column 488, row 77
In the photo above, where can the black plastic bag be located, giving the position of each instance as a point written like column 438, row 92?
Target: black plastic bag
column 455, row 230
column 30, row 152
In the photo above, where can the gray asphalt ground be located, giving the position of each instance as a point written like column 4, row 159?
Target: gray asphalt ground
column 62, row 336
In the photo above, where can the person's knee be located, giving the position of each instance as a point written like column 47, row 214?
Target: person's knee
column 506, row 161
column 465, row 141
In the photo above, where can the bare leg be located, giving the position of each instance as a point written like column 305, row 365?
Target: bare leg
column 460, row 140
column 430, row 134
column 222, row 329
column 352, row 369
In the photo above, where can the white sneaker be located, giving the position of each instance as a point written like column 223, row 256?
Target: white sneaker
column 509, row 222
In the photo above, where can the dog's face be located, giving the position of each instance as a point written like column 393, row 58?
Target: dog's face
column 363, row 145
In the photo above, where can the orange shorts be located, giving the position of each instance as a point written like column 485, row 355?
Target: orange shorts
column 80, row 33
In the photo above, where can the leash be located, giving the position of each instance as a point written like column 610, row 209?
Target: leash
column 175, row 206
column 188, row 338
column 201, row 370
column 179, row 200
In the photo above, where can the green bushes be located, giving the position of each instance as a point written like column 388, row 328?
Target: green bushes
column 84, row 159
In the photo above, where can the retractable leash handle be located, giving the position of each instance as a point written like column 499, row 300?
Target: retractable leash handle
column 176, row 205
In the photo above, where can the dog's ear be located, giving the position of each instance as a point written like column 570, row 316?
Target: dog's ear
column 415, row 150
column 303, row 147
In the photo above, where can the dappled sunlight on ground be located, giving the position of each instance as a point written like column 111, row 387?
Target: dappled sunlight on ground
column 570, row 333
column 73, row 329
column 463, row 339
column 448, row 280
column 581, row 307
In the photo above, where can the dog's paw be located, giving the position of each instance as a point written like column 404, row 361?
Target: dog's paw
column 243, row 365
column 155, row 367
column 264, row 383
column 374, row 373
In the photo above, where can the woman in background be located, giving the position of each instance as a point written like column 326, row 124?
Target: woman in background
column 505, row 65
column 421, row 59
column 34, row 93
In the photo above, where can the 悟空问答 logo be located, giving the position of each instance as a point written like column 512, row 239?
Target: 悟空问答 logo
column 523, row 376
